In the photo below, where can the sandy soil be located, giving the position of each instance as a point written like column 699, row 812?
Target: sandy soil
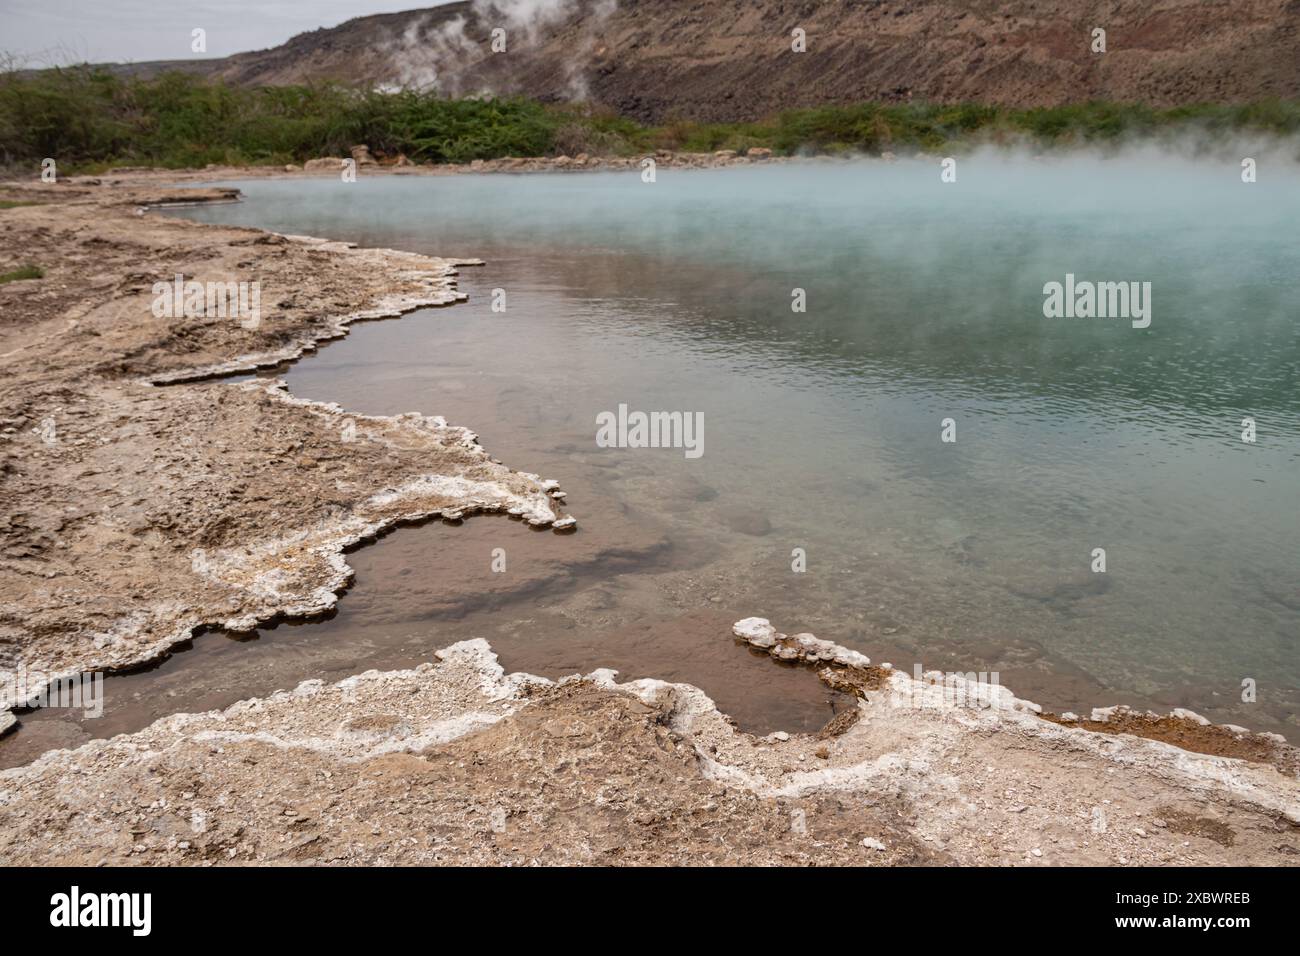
column 138, row 511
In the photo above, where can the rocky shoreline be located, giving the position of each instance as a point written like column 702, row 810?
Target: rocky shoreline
column 148, row 500
column 457, row 762
column 366, row 164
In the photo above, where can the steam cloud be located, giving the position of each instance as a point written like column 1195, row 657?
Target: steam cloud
column 426, row 56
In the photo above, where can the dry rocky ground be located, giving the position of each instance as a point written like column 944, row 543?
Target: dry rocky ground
column 458, row 762
column 137, row 511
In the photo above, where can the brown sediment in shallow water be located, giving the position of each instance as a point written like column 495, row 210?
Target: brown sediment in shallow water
column 852, row 673
column 1190, row 732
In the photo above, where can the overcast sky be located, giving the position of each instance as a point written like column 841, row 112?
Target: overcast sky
column 42, row 32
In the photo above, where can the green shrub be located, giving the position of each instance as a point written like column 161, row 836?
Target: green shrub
column 23, row 272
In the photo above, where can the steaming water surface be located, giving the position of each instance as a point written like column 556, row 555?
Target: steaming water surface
column 822, row 430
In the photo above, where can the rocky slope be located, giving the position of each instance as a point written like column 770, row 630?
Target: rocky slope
column 732, row 59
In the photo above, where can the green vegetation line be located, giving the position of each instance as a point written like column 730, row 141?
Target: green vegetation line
column 90, row 119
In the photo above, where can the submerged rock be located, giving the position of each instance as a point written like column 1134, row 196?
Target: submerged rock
column 745, row 521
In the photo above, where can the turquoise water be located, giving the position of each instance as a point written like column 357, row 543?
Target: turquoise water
column 822, row 429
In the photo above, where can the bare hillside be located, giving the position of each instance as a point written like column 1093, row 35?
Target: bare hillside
column 732, row 59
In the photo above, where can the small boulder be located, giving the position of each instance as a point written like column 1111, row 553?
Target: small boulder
column 755, row 630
